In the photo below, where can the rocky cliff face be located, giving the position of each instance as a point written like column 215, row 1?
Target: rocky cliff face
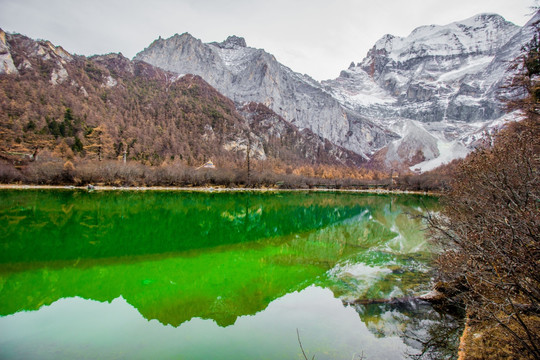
column 245, row 74
column 434, row 74
column 447, row 81
column 6, row 61
column 272, row 136
column 498, row 74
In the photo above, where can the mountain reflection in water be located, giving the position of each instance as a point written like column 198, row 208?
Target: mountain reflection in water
column 180, row 258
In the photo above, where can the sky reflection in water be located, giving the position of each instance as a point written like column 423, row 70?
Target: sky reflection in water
column 198, row 275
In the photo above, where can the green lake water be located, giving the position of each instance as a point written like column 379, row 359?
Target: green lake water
column 196, row 275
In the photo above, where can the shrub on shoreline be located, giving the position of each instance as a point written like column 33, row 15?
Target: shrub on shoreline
column 50, row 170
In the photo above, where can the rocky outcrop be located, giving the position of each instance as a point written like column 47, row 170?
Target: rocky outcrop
column 6, row 61
column 28, row 51
column 272, row 136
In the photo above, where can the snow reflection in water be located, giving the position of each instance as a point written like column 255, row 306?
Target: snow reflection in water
column 211, row 275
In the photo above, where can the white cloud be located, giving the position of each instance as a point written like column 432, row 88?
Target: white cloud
column 317, row 37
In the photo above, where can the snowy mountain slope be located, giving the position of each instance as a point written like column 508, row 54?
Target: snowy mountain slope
column 433, row 74
column 480, row 34
column 246, row 74
column 447, row 81
column 499, row 72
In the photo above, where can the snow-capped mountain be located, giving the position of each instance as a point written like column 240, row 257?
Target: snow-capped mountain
column 416, row 101
column 435, row 73
column 246, row 74
column 440, row 85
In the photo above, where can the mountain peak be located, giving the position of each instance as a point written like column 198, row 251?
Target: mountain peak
column 232, row 42
column 480, row 34
column 385, row 42
column 485, row 18
column 181, row 38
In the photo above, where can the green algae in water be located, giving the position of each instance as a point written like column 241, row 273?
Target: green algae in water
column 213, row 275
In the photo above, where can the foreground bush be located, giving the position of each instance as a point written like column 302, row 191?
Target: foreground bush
column 490, row 228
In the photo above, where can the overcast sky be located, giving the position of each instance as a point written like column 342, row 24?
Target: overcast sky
column 316, row 37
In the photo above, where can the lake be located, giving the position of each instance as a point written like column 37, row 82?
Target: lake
column 215, row 275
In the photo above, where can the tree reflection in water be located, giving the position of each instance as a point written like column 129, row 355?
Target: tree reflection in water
column 432, row 331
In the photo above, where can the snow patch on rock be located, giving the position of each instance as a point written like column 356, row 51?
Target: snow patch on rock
column 448, row 151
column 473, row 65
column 415, row 142
column 478, row 34
column 355, row 88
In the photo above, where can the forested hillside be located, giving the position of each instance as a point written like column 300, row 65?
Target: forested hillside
column 107, row 107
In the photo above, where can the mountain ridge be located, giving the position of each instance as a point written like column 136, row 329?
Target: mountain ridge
column 424, row 98
column 246, row 74
column 437, row 76
column 106, row 105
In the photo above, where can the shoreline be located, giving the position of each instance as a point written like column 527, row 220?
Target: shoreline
column 204, row 189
